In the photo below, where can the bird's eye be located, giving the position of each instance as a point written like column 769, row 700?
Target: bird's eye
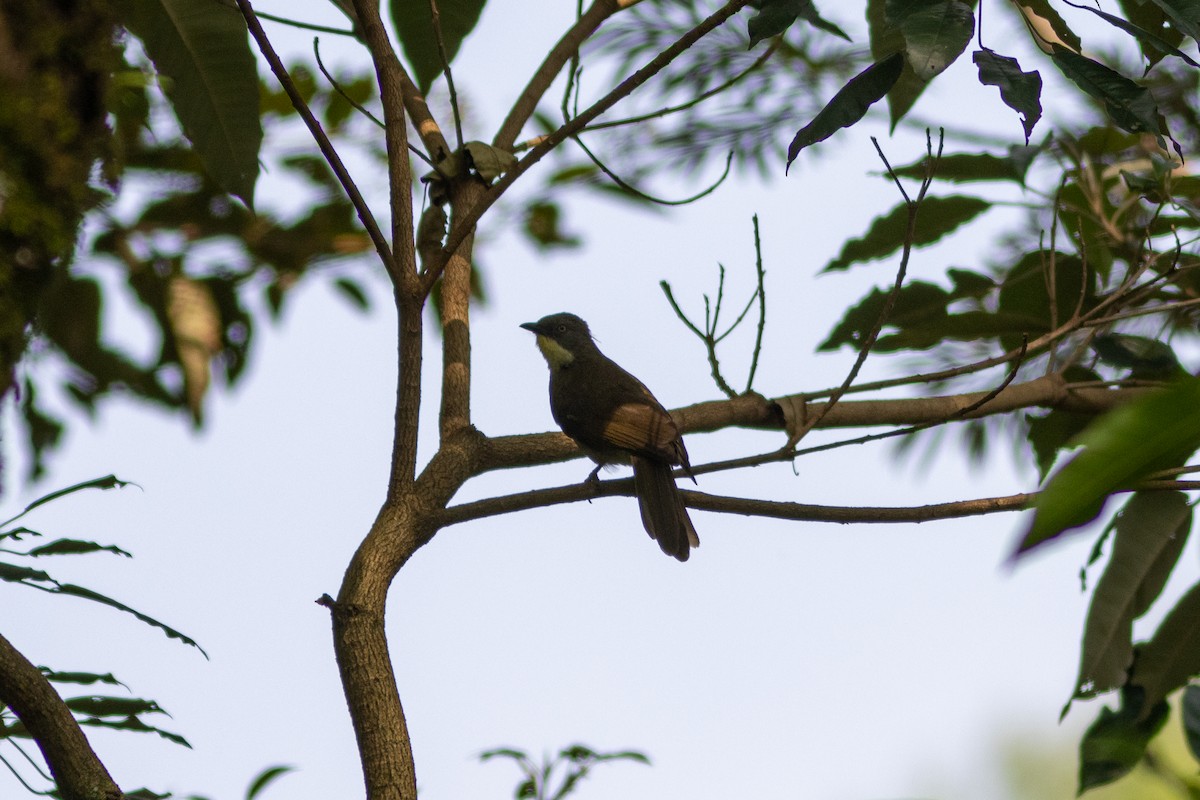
column 562, row 328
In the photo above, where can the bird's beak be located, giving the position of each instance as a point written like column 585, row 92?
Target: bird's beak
column 530, row 326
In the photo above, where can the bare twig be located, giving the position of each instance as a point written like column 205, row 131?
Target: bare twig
column 562, row 52
column 909, row 237
column 441, row 46
column 541, row 498
column 762, row 306
column 627, row 86
column 335, row 162
column 615, row 178
column 308, row 26
column 663, row 112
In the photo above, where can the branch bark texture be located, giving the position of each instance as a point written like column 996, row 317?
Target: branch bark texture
column 75, row 767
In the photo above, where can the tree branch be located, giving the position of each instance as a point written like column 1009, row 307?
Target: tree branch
column 544, row 76
column 78, row 772
column 318, row 134
column 626, row 87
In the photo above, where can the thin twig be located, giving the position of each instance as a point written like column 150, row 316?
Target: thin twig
column 338, row 87
column 663, row 112
column 441, row 46
column 308, row 26
column 762, row 306
column 541, row 498
column 563, row 51
column 705, row 336
column 335, row 162
column 615, row 178
column 889, row 304
column 622, row 90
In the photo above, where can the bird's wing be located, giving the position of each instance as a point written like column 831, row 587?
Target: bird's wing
column 642, row 428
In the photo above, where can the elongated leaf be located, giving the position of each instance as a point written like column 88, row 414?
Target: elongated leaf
column 136, row 725
column 886, row 38
column 1150, row 534
column 1184, row 13
column 972, row 167
column 937, row 217
column 202, row 51
column 935, row 34
column 1021, row 91
column 1145, row 37
column 414, row 25
column 1154, row 20
column 88, row 594
column 83, row 678
column 1051, row 433
column 1131, row 107
column 266, row 778
column 1153, row 432
column 102, row 706
column 1116, row 741
column 849, row 105
column 1172, row 656
column 62, row 547
column 1047, row 28
column 107, row 482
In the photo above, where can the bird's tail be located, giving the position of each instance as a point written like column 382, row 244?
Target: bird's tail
column 663, row 513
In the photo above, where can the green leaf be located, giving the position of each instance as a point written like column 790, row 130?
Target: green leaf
column 1021, row 91
column 849, row 105
column 353, row 292
column 1172, row 656
column 107, row 482
column 1190, row 709
column 776, row 16
column 1154, row 20
column 96, row 597
column 490, row 162
column 544, row 227
column 1150, row 534
column 1148, row 40
column 62, row 547
column 136, row 725
column 1116, row 741
column 935, row 34
column 1131, row 107
column 1147, row 359
column 1046, row 26
column 1155, row 431
column 202, row 54
column 265, row 779
column 414, row 25
column 937, row 217
column 1184, row 13
column 103, row 706
column 1026, row 293
column 972, row 167
column 886, row 39
column 83, row 678
column 1052, row 432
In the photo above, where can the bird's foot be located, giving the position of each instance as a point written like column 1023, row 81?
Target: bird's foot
column 592, row 481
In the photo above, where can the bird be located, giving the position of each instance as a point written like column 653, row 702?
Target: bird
column 615, row 419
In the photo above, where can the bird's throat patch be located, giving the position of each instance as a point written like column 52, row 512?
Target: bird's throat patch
column 555, row 354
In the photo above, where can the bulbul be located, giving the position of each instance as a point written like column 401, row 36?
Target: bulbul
column 616, row 420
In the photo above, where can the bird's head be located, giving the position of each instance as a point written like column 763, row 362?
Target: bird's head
column 561, row 337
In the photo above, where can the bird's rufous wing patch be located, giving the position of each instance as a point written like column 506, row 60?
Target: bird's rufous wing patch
column 641, row 427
